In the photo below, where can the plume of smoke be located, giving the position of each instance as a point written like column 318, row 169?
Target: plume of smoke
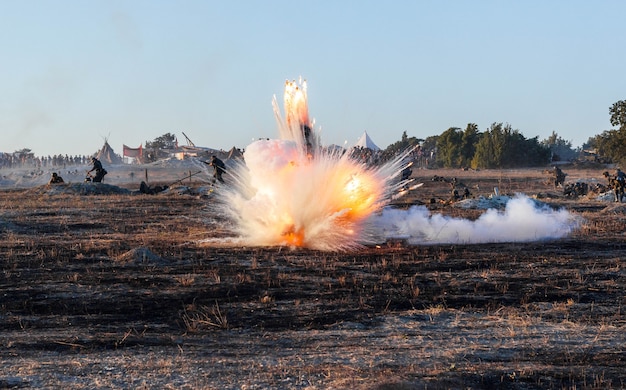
column 523, row 220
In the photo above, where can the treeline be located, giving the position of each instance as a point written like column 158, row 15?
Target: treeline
column 611, row 144
column 501, row 146
column 498, row 147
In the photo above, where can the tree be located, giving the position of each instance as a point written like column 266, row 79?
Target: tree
column 503, row 147
column 449, row 148
column 430, row 143
column 158, row 148
column 491, row 147
column 468, row 144
column 405, row 143
column 166, row 141
column 560, row 148
column 618, row 114
column 429, row 149
column 484, row 156
column 611, row 144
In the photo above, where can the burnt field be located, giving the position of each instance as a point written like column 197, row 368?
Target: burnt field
column 111, row 289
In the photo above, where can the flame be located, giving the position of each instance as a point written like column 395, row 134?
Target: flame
column 293, row 237
column 296, row 106
column 292, row 192
column 297, row 126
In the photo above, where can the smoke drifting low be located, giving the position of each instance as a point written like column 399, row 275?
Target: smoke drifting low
column 523, row 220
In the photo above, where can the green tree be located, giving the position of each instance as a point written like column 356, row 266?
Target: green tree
column 449, row 146
column 159, row 148
column 611, row 144
column 468, row 144
column 503, row 147
column 429, row 148
column 430, row 143
column 533, row 153
column 484, row 156
column 401, row 146
column 618, row 114
column 166, row 141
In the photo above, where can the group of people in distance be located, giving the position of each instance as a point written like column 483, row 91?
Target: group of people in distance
column 617, row 182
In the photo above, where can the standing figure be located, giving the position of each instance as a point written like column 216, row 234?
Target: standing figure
column 559, row 176
column 616, row 185
column 306, row 133
column 100, row 171
column 218, row 168
column 620, row 179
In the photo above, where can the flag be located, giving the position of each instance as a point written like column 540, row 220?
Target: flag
column 133, row 152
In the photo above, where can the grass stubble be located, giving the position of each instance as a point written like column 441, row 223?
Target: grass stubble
column 135, row 291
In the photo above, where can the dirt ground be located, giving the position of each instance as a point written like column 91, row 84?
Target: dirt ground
column 115, row 289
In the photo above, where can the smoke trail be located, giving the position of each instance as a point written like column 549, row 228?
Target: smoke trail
column 523, row 220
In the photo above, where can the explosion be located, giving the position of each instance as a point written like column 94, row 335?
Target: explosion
column 293, row 192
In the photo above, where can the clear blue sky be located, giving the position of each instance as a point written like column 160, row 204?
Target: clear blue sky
column 74, row 72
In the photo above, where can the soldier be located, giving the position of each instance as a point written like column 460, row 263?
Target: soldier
column 620, row 176
column 620, row 179
column 616, row 185
column 455, row 195
column 55, row 179
column 559, row 177
column 144, row 188
column 100, row 171
column 218, row 168
column 466, row 193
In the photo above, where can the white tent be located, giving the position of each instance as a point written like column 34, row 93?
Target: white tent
column 366, row 142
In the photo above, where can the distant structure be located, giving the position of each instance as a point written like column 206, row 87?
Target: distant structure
column 108, row 155
column 135, row 153
column 366, row 142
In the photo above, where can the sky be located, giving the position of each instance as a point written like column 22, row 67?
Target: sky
column 75, row 73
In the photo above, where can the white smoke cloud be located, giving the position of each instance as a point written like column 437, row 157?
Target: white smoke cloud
column 523, row 220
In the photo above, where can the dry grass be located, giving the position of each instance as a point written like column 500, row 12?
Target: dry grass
column 123, row 291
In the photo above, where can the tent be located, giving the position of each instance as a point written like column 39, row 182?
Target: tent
column 108, row 155
column 366, row 142
column 234, row 153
